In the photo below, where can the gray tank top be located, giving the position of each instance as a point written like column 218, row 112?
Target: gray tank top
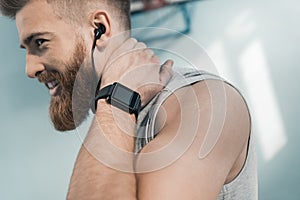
column 244, row 186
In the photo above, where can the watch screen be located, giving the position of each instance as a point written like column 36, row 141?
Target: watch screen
column 123, row 95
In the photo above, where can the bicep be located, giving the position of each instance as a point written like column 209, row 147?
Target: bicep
column 184, row 173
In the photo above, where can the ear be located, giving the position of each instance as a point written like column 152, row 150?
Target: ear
column 97, row 18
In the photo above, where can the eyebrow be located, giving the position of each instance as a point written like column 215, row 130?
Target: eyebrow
column 29, row 38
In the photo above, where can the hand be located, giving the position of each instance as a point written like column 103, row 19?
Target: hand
column 135, row 66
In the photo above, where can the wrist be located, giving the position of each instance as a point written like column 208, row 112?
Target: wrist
column 107, row 113
column 116, row 125
column 119, row 96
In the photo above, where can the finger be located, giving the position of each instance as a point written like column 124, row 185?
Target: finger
column 140, row 45
column 156, row 60
column 166, row 72
column 149, row 52
column 129, row 44
column 167, row 67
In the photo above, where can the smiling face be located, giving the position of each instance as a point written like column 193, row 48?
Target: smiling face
column 45, row 37
column 54, row 54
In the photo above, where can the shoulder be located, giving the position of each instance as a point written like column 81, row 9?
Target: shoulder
column 208, row 108
column 203, row 133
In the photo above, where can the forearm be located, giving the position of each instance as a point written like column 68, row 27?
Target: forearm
column 104, row 167
column 92, row 178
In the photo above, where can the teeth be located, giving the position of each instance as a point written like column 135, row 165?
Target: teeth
column 52, row 84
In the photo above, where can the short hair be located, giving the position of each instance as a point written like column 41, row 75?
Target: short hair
column 71, row 10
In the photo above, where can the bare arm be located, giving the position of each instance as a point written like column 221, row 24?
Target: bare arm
column 189, row 177
column 91, row 178
column 104, row 166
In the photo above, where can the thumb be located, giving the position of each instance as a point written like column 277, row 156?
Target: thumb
column 165, row 72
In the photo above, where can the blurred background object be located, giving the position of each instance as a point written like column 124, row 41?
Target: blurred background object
column 146, row 5
column 253, row 44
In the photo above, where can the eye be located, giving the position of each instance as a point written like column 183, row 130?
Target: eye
column 40, row 42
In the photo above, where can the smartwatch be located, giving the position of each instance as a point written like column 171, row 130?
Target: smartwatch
column 119, row 96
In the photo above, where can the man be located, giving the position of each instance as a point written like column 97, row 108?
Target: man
column 202, row 148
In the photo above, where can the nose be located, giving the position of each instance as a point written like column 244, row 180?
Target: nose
column 34, row 65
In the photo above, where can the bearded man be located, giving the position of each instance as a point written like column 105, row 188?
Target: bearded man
column 154, row 135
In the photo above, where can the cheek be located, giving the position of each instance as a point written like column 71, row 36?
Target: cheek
column 64, row 48
column 59, row 55
column 55, row 63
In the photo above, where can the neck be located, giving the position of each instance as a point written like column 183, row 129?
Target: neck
column 107, row 51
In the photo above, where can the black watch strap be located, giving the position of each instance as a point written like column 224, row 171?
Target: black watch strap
column 102, row 94
column 105, row 92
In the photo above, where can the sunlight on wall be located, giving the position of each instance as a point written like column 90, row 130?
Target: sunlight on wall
column 266, row 114
column 254, row 72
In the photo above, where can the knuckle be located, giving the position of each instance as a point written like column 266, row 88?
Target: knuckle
column 149, row 52
column 133, row 40
column 142, row 45
column 155, row 60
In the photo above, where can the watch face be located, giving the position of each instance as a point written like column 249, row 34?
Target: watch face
column 119, row 96
column 122, row 94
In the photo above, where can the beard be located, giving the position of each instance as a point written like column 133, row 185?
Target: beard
column 78, row 85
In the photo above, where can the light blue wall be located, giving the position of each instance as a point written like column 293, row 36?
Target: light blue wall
column 36, row 161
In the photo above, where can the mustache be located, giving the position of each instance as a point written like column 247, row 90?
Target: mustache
column 47, row 76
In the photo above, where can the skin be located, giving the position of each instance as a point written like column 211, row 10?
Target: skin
column 93, row 179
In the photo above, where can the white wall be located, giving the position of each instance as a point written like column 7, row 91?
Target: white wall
column 254, row 44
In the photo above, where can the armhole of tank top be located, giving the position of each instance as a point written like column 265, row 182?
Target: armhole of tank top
column 249, row 145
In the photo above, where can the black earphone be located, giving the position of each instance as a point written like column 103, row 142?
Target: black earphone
column 98, row 33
